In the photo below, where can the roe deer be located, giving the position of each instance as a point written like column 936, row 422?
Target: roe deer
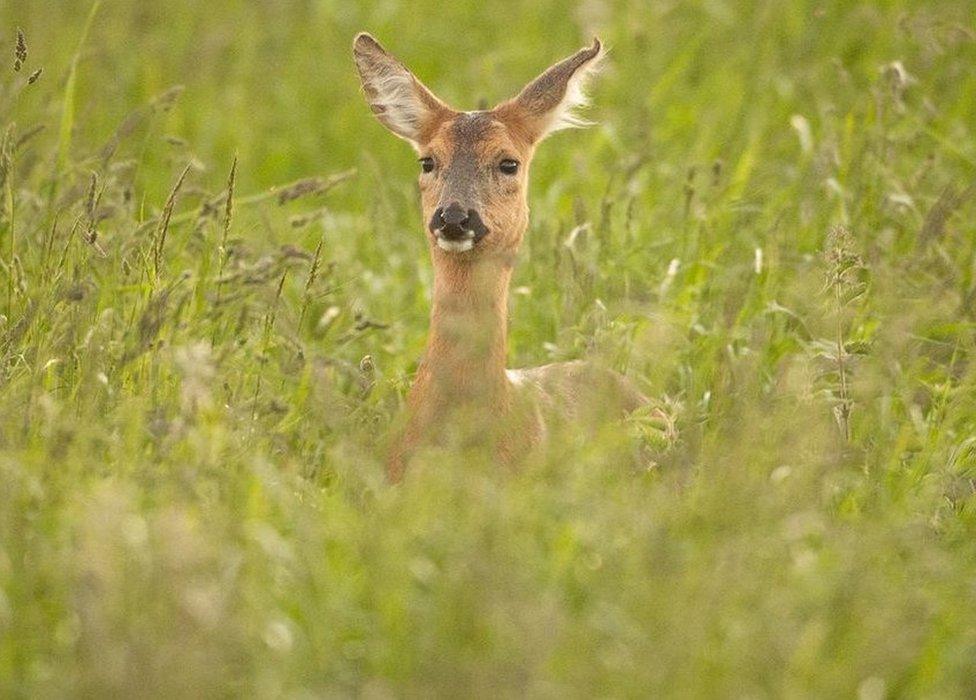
column 473, row 182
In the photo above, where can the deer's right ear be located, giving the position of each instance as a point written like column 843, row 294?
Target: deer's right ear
column 398, row 99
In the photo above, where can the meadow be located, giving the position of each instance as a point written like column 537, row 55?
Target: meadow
column 214, row 290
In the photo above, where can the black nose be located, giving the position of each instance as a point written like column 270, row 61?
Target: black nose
column 454, row 215
column 454, row 223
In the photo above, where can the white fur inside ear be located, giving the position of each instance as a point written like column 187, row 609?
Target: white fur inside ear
column 566, row 114
column 394, row 97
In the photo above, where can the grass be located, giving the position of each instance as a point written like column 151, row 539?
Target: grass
column 771, row 229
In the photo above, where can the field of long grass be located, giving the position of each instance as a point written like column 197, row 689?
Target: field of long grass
column 214, row 289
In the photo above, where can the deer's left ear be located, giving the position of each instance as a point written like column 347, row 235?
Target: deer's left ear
column 551, row 101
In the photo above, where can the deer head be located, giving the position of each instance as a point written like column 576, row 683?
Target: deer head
column 474, row 165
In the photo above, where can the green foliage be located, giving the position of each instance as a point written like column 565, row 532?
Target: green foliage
column 771, row 230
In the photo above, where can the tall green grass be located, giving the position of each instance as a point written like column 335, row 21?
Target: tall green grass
column 215, row 292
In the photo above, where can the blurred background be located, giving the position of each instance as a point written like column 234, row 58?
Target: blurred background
column 770, row 229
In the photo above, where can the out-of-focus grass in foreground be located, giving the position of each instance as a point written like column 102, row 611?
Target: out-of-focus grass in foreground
column 771, row 229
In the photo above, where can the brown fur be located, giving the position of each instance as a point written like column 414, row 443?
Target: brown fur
column 462, row 390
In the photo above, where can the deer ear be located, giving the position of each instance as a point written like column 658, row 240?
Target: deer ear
column 401, row 102
column 551, row 101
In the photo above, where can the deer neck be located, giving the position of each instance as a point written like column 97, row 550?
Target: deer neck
column 467, row 342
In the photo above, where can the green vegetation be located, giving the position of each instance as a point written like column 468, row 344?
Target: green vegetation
column 772, row 229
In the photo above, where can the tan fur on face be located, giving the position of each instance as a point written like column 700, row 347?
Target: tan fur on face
column 500, row 199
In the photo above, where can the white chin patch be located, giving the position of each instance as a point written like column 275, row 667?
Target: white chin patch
column 455, row 246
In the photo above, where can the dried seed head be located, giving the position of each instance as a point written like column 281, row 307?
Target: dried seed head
column 164, row 101
column 299, row 189
column 896, row 73
column 92, row 189
column 6, row 158
column 312, row 185
column 20, row 51
column 301, row 220
column 366, row 365
column 846, row 272
column 367, row 374
column 229, row 208
column 159, row 240
column 18, row 275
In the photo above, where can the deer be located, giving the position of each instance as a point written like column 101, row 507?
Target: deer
column 473, row 182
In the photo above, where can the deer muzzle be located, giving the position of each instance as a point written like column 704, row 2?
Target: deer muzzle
column 456, row 229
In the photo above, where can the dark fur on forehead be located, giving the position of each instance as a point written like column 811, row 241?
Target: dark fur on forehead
column 471, row 126
column 468, row 130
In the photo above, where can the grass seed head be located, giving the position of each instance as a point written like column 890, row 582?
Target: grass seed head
column 165, row 101
column 20, row 51
column 845, row 267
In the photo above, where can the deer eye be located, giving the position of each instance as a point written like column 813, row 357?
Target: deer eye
column 427, row 164
column 508, row 166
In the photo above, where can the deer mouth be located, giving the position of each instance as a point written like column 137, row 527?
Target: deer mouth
column 455, row 244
